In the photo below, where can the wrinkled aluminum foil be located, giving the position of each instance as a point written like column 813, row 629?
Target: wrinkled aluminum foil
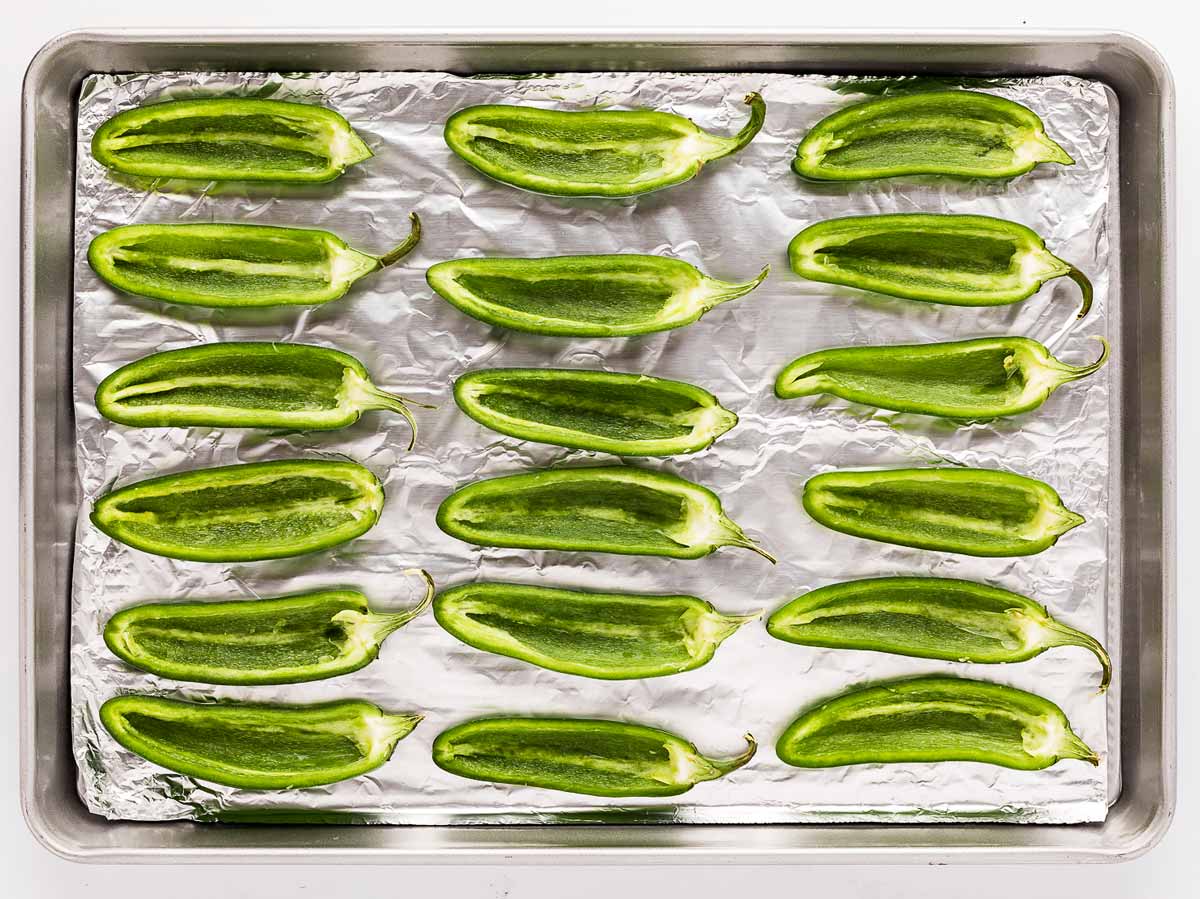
column 737, row 215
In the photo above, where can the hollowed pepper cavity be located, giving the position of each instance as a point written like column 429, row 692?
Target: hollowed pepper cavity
column 240, row 266
column 931, row 618
column 613, row 636
column 964, row 133
column 583, row 296
column 966, row 379
column 613, row 509
column 244, row 513
column 287, row 640
column 957, row 260
column 229, row 140
column 257, row 747
column 611, row 412
column 245, row 385
column 973, row 511
column 590, row 153
column 579, row 755
column 933, row 719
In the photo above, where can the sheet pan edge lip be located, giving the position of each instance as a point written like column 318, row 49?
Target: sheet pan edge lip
column 609, row 855
column 1165, row 815
column 1129, row 40
column 31, row 807
column 75, row 850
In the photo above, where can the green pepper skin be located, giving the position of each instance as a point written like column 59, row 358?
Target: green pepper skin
column 244, row 513
column 579, row 755
column 583, row 296
column 608, row 412
column 933, row 719
column 963, row 133
column 957, row 260
column 967, row 379
column 972, row 511
column 590, row 153
column 257, row 747
column 610, row 636
column 244, row 385
column 930, row 618
column 229, row 140
column 613, row 509
column 239, row 266
column 287, row 640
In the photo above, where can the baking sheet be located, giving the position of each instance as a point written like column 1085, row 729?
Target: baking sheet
column 737, row 215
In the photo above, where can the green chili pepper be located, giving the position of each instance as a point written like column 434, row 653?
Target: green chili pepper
column 579, row 755
column 288, row 640
column 244, row 513
column 590, row 153
column 974, row 511
column 933, row 719
column 234, row 265
column 959, row 260
column 583, row 296
column 623, row 414
column 229, row 139
column 245, row 385
column 257, row 747
column 613, row 636
column 966, row 379
column 929, row 617
column 616, row 509
column 963, row 133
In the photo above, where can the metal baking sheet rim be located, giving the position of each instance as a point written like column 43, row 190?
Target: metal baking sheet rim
column 614, row 852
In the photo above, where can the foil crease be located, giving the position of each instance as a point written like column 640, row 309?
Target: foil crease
column 738, row 214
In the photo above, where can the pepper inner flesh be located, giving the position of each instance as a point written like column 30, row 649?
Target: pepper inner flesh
column 614, row 165
column 898, row 142
column 949, row 132
column 216, row 127
column 933, row 719
column 945, row 729
column 634, row 634
column 988, row 512
column 244, row 384
column 980, row 378
column 251, row 154
column 938, row 630
column 248, row 745
column 580, row 129
column 238, row 267
column 248, row 641
column 606, row 150
column 251, row 142
column 272, row 511
column 609, row 408
column 923, row 259
column 611, row 299
column 181, row 247
column 265, row 391
column 582, row 512
column 587, row 758
column 234, row 501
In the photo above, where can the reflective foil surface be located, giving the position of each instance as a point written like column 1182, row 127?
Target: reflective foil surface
column 736, row 216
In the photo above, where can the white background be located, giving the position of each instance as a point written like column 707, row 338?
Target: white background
column 1171, row 870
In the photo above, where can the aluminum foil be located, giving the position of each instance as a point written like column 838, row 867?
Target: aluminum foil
column 737, row 215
